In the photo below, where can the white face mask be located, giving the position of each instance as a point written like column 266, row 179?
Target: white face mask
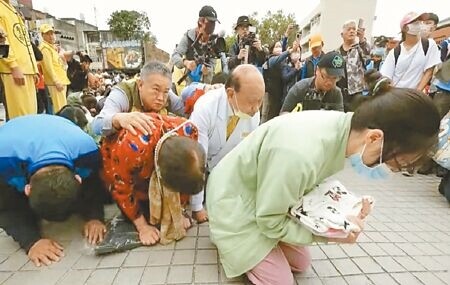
column 414, row 28
column 239, row 113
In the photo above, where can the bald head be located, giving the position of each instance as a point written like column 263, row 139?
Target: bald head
column 245, row 89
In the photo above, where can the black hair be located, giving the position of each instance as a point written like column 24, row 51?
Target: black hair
column 182, row 163
column 433, row 17
column 408, row 118
column 376, row 82
column 220, row 77
column 54, row 191
column 75, row 113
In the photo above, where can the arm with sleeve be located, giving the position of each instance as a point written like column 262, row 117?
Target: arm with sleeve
column 294, row 96
column 275, row 60
column 176, row 105
column 180, row 51
column 233, row 60
column 47, row 64
column 388, row 67
column 117, row 102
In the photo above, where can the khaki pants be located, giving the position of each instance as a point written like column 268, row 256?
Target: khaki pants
column 20, row 99
column 58, row 97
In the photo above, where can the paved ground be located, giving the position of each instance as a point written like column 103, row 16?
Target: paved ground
column 406, row 241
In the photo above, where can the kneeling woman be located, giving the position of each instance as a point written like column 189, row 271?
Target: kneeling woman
column 251, row 189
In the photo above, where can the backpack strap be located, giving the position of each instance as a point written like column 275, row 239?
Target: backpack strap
column 397, row 49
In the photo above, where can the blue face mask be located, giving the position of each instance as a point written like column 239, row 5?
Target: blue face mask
column 381, row 171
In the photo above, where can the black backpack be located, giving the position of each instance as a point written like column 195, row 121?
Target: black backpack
column 397, row 50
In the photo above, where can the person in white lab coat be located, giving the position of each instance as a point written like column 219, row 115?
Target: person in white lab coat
column 224, row 117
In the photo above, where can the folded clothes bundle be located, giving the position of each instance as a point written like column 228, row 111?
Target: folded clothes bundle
column 325, row 210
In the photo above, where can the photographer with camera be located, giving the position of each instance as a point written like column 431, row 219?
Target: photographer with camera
column 199, row 48
column 247, row 47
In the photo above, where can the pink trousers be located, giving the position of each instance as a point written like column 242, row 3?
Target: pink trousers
column 279, row 264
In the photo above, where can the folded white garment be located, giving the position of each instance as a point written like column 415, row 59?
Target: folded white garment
column 325, row 210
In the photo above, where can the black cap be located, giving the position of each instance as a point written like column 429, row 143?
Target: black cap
column 242, row 20
column 333, row 62
column 85, row 58
column 209, row 13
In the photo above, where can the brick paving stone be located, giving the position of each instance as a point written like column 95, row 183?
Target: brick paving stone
column 367, row 265
column 353, row 250
column 333, row 251
column 75, row 277
column 411, row 236
column 428, row 249
column 183, row 257
column 409, row 263
column 137, row 258
column 8, row 245
column 180, row 274
column 431, row 264
column 186, row 243
column 45, row 276
column 208, row 256
column 4, row 276
column 373, row 249
column 428, row 278
column 15, row 261
column 155, row 275
column 381, row 279
column 112, row 260
column 357, row 280
column 378, row 226
column 406, row 278
column 376, row 237
column 203, row 232
column 129, row 276
column 394, row 237
column 86, row 262
column 205, row 243
column 444, row 276
column 334, row 281
column 102, row 277
column 206, row 274
column 443, row 247
column 409, row 248
column 160, row 257
column 389, row 264
column 324, row 268
column 346, row 266
column 391, row 249
column 316, row 252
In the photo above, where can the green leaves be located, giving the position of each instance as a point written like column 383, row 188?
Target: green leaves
column 131, row 25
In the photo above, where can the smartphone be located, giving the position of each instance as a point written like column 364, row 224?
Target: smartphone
column 4, row 51
column 360, row 23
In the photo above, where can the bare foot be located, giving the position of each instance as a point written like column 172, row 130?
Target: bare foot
column 200, row 216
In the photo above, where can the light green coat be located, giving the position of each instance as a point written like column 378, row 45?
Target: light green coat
column 250, row 191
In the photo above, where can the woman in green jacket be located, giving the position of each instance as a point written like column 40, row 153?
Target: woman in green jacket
column 251, row 190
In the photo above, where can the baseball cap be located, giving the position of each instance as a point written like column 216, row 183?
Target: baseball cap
column 409, row 18
column 85, row 58
column 44, row 28
column 209, row 13
column 315, row 41
column 242, row 20
column 333, row 63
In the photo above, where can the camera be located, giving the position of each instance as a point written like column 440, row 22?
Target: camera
column 4, row 51
column 249, row 39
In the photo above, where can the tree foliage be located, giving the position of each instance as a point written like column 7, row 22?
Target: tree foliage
column 131, row 25
column 273, row 26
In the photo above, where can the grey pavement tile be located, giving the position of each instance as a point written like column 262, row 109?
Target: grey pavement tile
column 309, row 281
column 158, row 246
column 75, row 277
column 334, row 281
column 3, row 257
column 379, row 227
column 15, row 261
column 363, row 238
column 357, row 280
column 396, row 227
column 180, row 274
column 203, row 231
column 367, row 265
column 129, row 276
column 442, row 236
column 112, row 260
column 86, row 262
column 137, row 259
column 444, row 247
column 44, row 276
column 392, row 249
column 193, row 232
column 431, row 264
column 394, row 237
column 206, row 274
column 376, row 237
column 4, row 276
column 428, row 278
column 324, row 268
column 373, row 249
column 316, row 252
column 381, row 279
column 409, row 263
column 155, row 275
column 444, row 260
column 205, row 243
column 353, row 250
column 346, row 266
column 8, row 245
column 406, row 278
column 389, row 264
column 183, row 257
column 333, row 251
column 160, row 257
column 411, row 236
column 444, row 276
column 186, row 243
column 409, row 248
column 206, row 256
column 428, row 249
column 308, row 273
column 102, row 277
